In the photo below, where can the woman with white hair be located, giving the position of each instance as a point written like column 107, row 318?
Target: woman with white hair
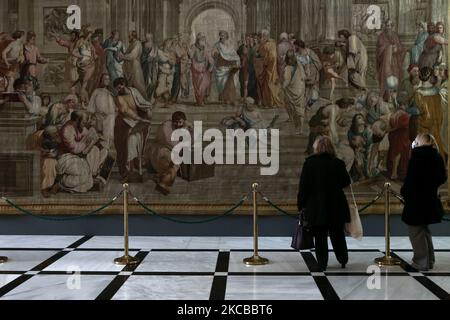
column 423, row 207
column 323, row 201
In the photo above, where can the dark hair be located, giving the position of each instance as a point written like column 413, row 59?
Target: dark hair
column 75, row 32
column 344, row 103
column 179, row 115
column 76, row 115
column 344, row 33
column 300, row 43
column 18, row 83
column 30, row 35
column 425, row 73
column 46, row 96
column 329, row 50
column 291, row 59
column 431, row 27
column 353, row 126
column 120, row 81
column 18, row 34
column 134, row 34
column 102, row 76
column 376, row 138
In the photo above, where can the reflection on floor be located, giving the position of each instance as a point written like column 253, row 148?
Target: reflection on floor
column 81, row 268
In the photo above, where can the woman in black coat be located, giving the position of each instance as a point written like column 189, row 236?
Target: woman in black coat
column 426, row 173
column 322, row 198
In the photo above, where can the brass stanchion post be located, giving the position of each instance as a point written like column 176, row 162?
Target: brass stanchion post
column 126, row 259
column 387, row 260
column 255, row 260
column 3, row 259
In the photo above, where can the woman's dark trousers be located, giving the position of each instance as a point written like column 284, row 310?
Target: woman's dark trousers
column 337, row 236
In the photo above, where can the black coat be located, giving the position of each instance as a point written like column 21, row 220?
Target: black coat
column 426, row 172
column 321, row 192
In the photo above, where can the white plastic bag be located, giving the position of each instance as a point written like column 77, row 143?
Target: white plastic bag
column 354, row 228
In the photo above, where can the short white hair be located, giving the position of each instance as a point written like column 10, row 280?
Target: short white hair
column 284, row 36
column 249, row 101
column 265, row 33
column 71, row 97
column 423, row 25
column 392, row 82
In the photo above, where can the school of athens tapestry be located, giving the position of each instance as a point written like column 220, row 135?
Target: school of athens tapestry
column 90, row 99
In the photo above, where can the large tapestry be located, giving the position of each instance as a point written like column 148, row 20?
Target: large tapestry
column 191, row 102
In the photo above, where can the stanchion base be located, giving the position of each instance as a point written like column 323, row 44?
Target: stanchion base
column 256, row 261
column 387, row 261
column 3, row 260
column 126, row 260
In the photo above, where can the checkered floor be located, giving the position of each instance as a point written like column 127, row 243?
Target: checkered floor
column 82, row 268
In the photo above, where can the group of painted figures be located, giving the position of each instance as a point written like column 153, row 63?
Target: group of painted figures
column 113, row 90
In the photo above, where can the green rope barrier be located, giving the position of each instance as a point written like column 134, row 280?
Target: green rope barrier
column 378, row 197
column 398, row 196
column 49, row 218
column 296, row 217
column 154, row 213
column 277, row 207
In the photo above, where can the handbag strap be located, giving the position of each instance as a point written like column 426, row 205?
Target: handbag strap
column 353, row 194
column 301, row 217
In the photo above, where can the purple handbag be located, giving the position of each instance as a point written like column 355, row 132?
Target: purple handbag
column 302, row 238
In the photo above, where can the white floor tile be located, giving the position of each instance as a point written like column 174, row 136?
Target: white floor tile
column 88, row 261
column 443, row 282
column 179, row 262
column 7, row 278
column 37, row 242
column 60, row 287
column 391, row 288
column 24, row 260
column 165, row 288
column 272, row 288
